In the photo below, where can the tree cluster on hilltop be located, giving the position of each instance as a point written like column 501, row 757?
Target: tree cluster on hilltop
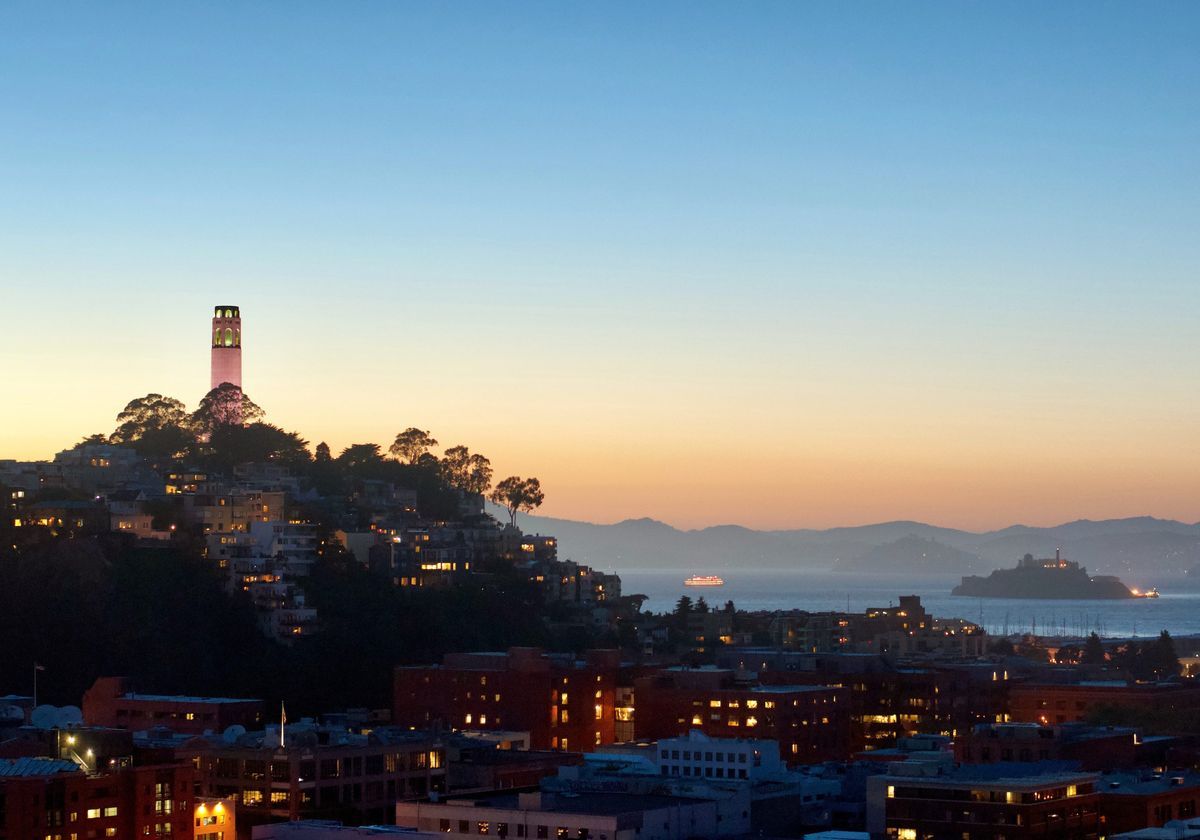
column 228, row 428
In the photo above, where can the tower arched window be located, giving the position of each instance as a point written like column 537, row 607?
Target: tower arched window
column 228, row 337
column 217, row 337
column 228, row 313
column 237, row 338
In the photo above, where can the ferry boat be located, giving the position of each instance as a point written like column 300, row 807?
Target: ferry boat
column 704, row 580
column 1149, row 593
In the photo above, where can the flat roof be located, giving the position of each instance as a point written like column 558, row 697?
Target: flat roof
column 1133, row 785
column 791, row 689
column 12, row 767
column 592, row 804
column 185, row 698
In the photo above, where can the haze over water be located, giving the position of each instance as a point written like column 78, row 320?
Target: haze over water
column 1177, row 611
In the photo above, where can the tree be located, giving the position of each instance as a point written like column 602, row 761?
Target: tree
column 683, row 606
column 702, row 605
column 517, row 494
column 155, row 426
column 411, row 444
column 1163, row 659
column 1093, row 651
column 466, row 472
column 92, row 440
column 257, row 443
column 322, row 454
column 356, row 456
column 225, row 405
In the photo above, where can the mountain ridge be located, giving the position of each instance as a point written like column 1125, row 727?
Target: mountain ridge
column 1126, row 545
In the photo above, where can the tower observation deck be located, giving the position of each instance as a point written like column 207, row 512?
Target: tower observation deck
column 226, row 346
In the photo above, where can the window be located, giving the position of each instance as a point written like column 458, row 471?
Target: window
column 483, row 827
column 599, row 712
column 252, row 797
column 444, row 826
column 110, row 811
column 93, row 813
column 279, row 796
column 543, row 832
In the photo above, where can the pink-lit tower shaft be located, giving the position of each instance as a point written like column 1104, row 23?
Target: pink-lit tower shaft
column 226, row 347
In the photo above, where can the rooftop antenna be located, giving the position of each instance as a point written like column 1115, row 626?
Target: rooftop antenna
column 36, row 668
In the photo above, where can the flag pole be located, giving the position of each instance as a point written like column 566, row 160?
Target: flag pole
column 282, row 722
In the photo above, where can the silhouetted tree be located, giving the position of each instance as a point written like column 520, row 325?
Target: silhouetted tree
column 1164, row 660
column 517, row 494
column 1093, row 651
column 359, row 456
column 322, row 452
column 466, row 472
column 225, row 405
column 702, row 605
column 233, row 444
column 155, row 426
column 411, row 444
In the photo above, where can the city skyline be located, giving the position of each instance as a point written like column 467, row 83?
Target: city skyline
column 801, row 269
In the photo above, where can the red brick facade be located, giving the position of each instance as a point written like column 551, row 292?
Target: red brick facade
column 562, row 706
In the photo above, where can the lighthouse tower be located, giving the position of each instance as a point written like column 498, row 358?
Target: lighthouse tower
column 226, row 346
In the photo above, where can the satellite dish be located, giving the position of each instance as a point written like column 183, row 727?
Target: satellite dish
column 232, row 733
column 10, row 714
column 69, row 716
column 44, row 717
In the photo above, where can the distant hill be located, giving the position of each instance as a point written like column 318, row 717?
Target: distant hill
column 916, row 555
column 1127, row 547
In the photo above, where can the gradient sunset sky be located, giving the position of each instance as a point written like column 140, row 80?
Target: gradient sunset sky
column 779, row 264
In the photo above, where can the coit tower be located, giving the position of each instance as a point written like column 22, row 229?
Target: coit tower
column 226, row 347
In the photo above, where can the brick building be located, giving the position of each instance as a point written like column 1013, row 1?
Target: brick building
column 56, row 799
column 1131, row 801
column 810, row 723
column 563, row 704
column 1051, row 703
column 1094, row 747
column 109, row 702
column 914, row 802
column 317, row 772
column 889, row 701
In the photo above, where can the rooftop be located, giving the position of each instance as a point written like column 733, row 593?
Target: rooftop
column 1131, row 784
column 184, row 698
column 591, row 804
column 12, row 767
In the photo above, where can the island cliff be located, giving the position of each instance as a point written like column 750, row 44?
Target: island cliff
column 1050, row 578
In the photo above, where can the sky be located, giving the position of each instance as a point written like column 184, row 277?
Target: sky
column 777, row 264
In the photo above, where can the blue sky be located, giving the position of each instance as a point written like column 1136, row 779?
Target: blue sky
column 577, row 233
